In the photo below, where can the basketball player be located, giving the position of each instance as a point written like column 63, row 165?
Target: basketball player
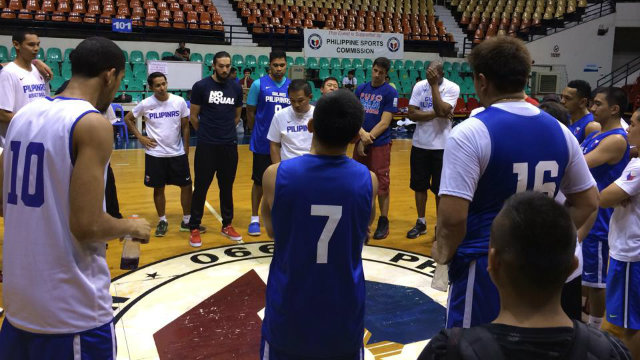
column 267, row 96
column 315, row 292
column 607, row 154
column 431, row 107
column 216, row 106
column 379, row 100
column 20, row 81
column 623, row 277
column 575, row 98
column 56, row 278
column 166, row 151
column 484, row 164
column 289, row 133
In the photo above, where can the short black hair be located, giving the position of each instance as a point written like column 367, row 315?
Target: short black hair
column 557, row 111
column 504, row 61
column 154, row 75
column 277, row 54
column 233, row 69
column 582, row 88
column 95, row 55
column 352, row 72
column 615, row 96
column 247, row 70
column 324, row 82
column 535, row 239
column 382, row 62
column 337, row 118
column 220, row 55
column 297, row 85
column 20, row 35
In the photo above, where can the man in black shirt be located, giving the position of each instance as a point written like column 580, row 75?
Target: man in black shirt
column 531, row 254
column 216, row 104
column 183, row 52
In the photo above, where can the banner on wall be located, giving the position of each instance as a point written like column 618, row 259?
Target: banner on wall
column 352, row 44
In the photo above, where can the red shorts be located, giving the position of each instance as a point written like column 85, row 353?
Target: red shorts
column 378, row 160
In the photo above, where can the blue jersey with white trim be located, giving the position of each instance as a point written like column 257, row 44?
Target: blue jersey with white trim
column 604, row 175
column 271, row 99
column 578, row 127
column 527, row 153
column 316, row 290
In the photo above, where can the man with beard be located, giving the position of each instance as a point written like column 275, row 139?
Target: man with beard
column 216, row 105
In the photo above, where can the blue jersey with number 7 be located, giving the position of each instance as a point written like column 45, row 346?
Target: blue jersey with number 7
column 271, row 99
column 316, row 291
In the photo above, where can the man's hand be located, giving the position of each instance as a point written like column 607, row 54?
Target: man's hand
column 366, row 138
column 432, row 76
column 147, row 142
column 43, row 69
column 141, row 230
column 360, row 148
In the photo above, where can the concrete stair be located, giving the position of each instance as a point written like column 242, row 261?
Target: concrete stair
column 240, row 36
column 451, row 25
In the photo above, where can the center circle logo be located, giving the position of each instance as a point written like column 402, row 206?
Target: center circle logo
column 315, row 41
column 209, row 304
column 393, row 44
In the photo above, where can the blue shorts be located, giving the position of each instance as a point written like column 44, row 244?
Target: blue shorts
column 269, row 353
column 623, row 294
column 595, row 255
column 473, row 298
column 94, row 344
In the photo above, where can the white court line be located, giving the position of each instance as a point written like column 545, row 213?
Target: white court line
column 210, row 208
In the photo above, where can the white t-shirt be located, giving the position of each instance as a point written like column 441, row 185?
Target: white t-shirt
column 468, row 151
column 18, row 87
column 290, row 130
column 432, row 135
column 624, row 228
column 561, row 199
column 164, row 121
column 110, row 114
column 624, row 124
column 346, row 81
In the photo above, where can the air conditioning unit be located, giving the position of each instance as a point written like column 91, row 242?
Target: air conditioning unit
column 545, row 83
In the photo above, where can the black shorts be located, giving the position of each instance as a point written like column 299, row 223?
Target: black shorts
column 161, row 171
column 426, row 168
column 260, row 164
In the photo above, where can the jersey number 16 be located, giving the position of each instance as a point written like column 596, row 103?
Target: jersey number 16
column 542, row 167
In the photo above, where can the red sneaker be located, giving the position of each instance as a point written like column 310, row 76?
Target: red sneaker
column 194, row 238
column 231, row 233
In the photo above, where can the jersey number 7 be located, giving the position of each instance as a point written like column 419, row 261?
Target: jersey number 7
column 334, row 213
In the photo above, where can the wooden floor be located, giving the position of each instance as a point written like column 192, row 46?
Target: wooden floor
column 135, row 198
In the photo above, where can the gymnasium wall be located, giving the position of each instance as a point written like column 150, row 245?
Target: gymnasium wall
column 579, row 48
column 628, row 14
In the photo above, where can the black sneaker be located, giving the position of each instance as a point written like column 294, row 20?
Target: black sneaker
column 419, row 229
column 382, row 231
column 184, row 227
column 161, row 229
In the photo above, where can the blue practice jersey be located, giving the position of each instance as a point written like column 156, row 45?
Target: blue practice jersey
column 377, row 100
column 271, row 99
column 316, row 291
column 578, row 127
column 527, row 153
column 604, row 175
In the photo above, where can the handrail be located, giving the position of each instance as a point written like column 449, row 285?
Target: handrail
column 621, row 73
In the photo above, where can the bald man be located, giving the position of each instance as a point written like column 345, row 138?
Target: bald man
column 431, row 107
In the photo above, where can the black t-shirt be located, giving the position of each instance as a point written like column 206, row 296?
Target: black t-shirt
column 218, row 103
column 185, row 51
column 526, row 343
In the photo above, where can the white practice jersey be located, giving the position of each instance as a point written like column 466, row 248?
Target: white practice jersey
column 164, row 122
column 53, row 284
column 18, row 87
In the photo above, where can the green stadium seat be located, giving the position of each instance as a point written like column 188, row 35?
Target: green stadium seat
column 4, row 54
column 408, row 64
column 324, row 73
column 263, row 61
column 455, row 67
column 367, row 76
column 316, row 94
column 360, row 74
column 196, row 57
column 250, row 61
column 152, row 55
column 418, row 65
column 13, row 54
column 299, row 61
column 324, row 63
column 54, row 55
column 260, row 72
column 55, row 83
column 336, row 73
column 398, row 65
column 346, row 64
column 40, row 55
column 289, row 61
column 136, row 57
column 123, row 84
column 312, row 63
column 136, row 97
column 367, row 64
column 356, row 64
column 136, row 86
column 165, row 54
column 237, row 60
column 55, row 67
column 208, row 59
column 413, row 75
column 446, row 66
column 206, row 71
column 68, row 52
column 465, row 67
column 335, row 63
column 66, row 70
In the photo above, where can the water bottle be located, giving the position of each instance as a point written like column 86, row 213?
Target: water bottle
column 130, row 251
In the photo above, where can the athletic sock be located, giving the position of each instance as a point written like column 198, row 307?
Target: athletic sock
column 163, row 218
column 186, row 218
column 423, row 221
column 255, row 219
column 595, row 322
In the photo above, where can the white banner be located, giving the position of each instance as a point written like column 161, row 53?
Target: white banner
column 352, row 44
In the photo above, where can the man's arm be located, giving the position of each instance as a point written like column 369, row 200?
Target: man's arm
column 274, row 151
column 92, row 144
column 385, row 121
column 441, row 107
column 591, row 127
column 251, row 116
column 5, row 116
column 7, row 96
column 238, row 115
column 610, row 151
column 1, row 183
column 184, row 122
column 131, row 125
column 417, row 115
column 582, row 205
column 374, row 189
column 452, row 226
column 193, row 116
column 43, row 69
column 268, row 188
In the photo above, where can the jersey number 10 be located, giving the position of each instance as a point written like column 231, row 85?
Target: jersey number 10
column 33, row 199
column 542, row 167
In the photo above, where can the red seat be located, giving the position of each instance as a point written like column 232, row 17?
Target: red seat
column 461, row 107
column 472, row 103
